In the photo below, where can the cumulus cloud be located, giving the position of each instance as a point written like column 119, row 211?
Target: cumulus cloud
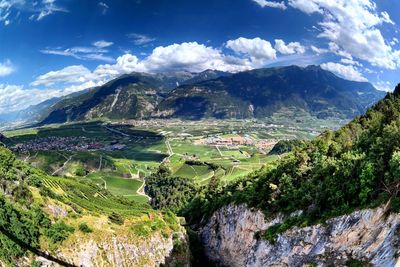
column 6, row 68
column 192, row 56
column 353, row 26
column 189, row 56
column 306, row 6
column 14, row 97
column 265, row 3
column 140, row 39
column 71, row 74
column 384, row 86
column 290, row 48
column 259, row 50
column 348, row 72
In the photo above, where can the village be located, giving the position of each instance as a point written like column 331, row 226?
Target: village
column 234, row 141
column 70, row 143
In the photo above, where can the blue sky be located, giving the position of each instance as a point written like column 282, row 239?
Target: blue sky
column 54, row 47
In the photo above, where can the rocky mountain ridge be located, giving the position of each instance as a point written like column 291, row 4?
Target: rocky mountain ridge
column 213, row 94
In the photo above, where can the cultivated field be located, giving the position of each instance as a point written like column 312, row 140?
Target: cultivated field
column 118, row 156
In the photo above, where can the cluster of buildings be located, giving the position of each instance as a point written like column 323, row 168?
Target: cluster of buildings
column 55, row 143
column 58, row 143
column 236, row 141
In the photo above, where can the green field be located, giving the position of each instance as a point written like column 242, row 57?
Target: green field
column 118, row 186
column 122, row 171
column 141, row 155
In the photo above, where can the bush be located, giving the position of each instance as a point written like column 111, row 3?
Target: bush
column 59, row 231
column 84, row 228
column 116, row 218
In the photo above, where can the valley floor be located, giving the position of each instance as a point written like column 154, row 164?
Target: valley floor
column 119, row 155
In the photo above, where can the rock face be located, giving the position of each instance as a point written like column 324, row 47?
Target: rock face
column 367, row 235
column 120, row 251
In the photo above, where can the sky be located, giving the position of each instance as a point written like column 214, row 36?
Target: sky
column 50, row 48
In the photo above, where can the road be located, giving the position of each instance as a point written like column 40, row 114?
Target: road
column 63, row 166
column 115, row 131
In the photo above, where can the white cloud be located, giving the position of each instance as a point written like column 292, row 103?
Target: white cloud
column 37, row 10
column 186, row 56
column 319, row 51
column 6, row 68
column 394, row 41
column 15, row 97
column 265, row 3
column 68, row 75
column 353, row 26
column 191, row 56
column 140, row 39
column 259, row 50
column 102, row 44
column 384, row 86
column 95, row 52
column 334, row 48
column 104, row 7
column 306, row 6
column 290, row 48
column 348, row 72
column 351, row 62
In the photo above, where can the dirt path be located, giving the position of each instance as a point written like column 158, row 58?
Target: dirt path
column 169, row 148
column 219, row 151
column 115, row 131
column 105, row 183
column 63, row 166
column 100, row 162
column 141, row 192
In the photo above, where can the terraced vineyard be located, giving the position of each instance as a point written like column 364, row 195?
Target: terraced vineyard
column 93, row 198
column 119, row 160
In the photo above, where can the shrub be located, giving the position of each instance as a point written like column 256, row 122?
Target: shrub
column 84, row 228
column 116, row 218
column 59, row 231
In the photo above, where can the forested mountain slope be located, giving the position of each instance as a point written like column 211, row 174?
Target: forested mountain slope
column 261, row 92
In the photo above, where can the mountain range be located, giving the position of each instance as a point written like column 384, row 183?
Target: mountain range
column 210, row 94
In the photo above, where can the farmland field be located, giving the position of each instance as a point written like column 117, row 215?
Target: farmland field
column 118, row 156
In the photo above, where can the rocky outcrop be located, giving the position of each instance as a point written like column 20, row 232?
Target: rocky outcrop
column 121, row 251
column 369, row 235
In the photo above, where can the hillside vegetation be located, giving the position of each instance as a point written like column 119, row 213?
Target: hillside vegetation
column 48, row 216
column 354, row 167
column 262, row 92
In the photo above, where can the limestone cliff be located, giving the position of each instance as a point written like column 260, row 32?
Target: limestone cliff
column 368, row 235
column 120, row 250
